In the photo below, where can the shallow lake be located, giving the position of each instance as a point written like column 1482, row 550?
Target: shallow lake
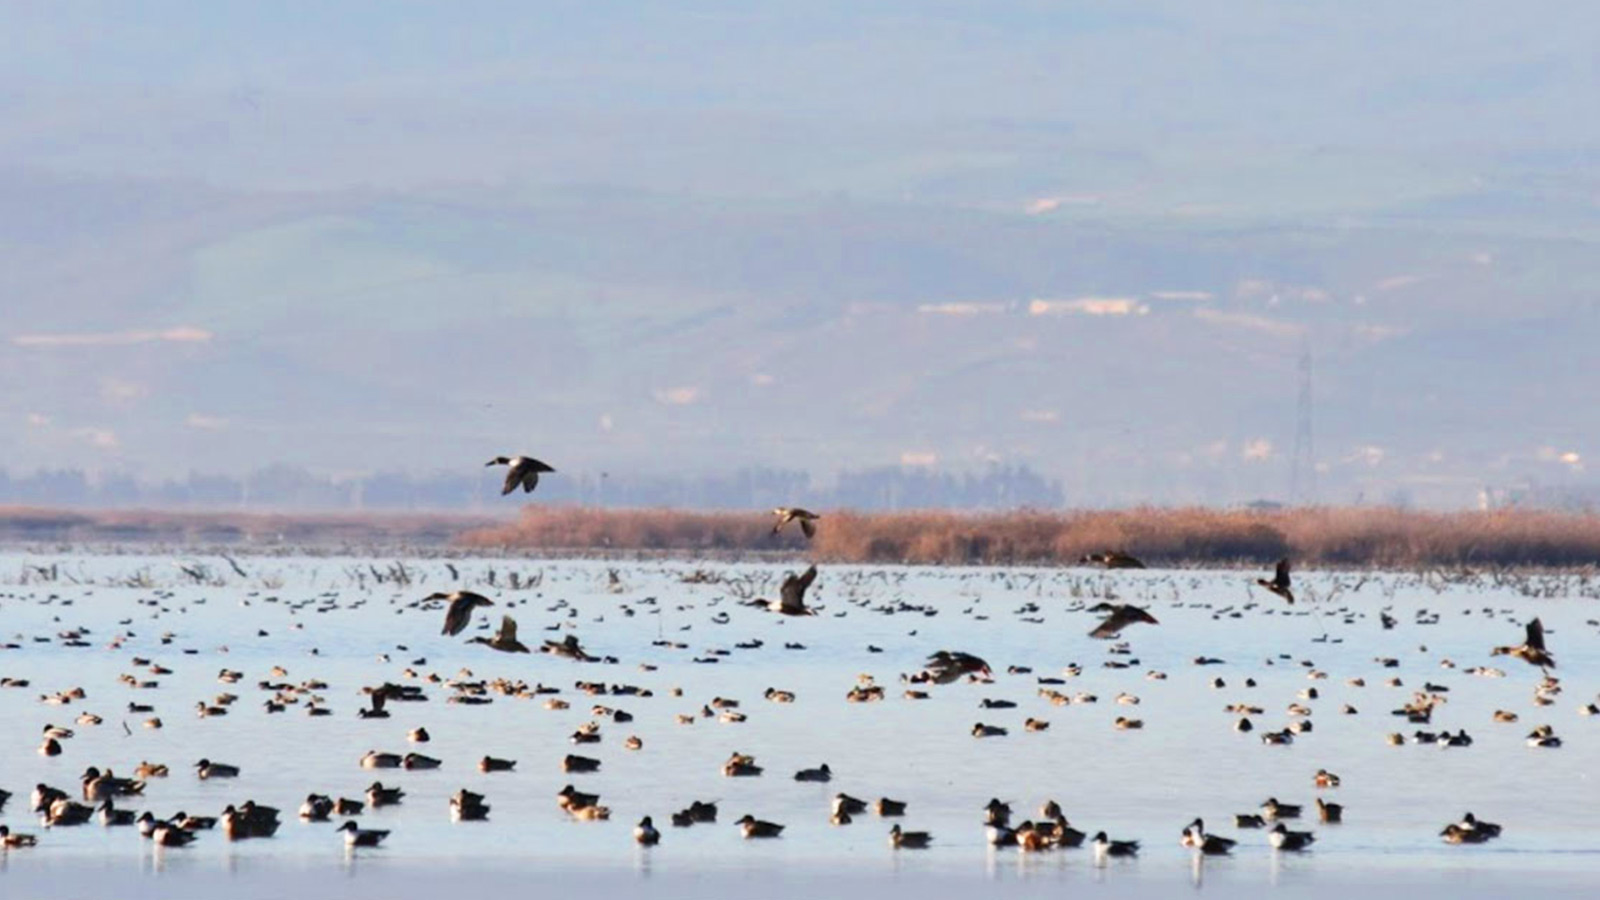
column 332, row 619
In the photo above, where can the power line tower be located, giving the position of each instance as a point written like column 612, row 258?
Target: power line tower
column 1303, row 464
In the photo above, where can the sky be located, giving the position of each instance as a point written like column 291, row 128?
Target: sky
column 1095, row 239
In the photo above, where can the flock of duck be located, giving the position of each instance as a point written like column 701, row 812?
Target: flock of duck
column 116, row 801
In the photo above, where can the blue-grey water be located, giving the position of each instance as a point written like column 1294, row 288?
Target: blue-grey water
column 329, row 618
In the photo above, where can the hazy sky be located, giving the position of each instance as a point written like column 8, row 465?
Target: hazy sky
column 1094, row 238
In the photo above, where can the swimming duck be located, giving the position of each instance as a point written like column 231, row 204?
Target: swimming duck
column 821, row 773
column 111, row 817
column 980, row 730
column 416, row 761
column 523, row 472
column 752, row 827
column 355, row 836
column 1329, row 813
column 570, row 798
column 1105, row 847
column 65, row 812
column 208, row 769
column 889, row 808
column 147, row 770
column 1035, row 725
column 378, row 795
column 466, row 806
column 1208, row 844
column 1455, row 834
column 168, row 835
column 12, row 841
column 777, row 696
column 372, row 759
column 1272, row 810
column 1471, row 822
column 419, row 736
column 741, row 766
column 848, row 804
column 316, row 808
column 645, row 833
column 1281, row 838
column 908, row 840
column 576, row 763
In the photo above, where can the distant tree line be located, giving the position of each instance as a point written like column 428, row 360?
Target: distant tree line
column 284, row 487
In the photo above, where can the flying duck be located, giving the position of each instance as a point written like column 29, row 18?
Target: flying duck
column 806, row 518
column 1121, row 616
column 524, row 472
column 459, row 613
column 1280, row 581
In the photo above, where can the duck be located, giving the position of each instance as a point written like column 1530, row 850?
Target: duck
column 1105, row 847
column 418, row 736
column 1329, row 813
column 980, row 730
column 495, row 764
column 12, row 841
column 208, row 769
column 1281, row 838
column 64, row 812
column 418, row 761
column 908, row 840
column 356, row 836
column 1272, row 810
column 373, row 759
column 523, row 472
column 847, row 804
column 820, row 774
column 147, row 770
column 111, row 817
column 166, row 834
column 1119, row 616
column 316, row 808
column 1473, row 823
column 1035, row 725
column 466, row 806
column 459, row 612
column 570, row 798
column 378, row 795
column 806, row 518
column 889, row 808
column 741, row 766
column 791, row 595
column 752, row 827
column 645, row 833
column 1208, row 844
column 505, row 639
column 948, row 666
column 1455, row 834
column 1532, row 650
column 1280, row 582
column 1249, row 820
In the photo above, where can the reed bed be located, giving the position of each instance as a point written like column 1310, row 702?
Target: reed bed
column 1331, row 536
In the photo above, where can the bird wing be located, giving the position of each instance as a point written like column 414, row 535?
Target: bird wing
column 1281, row 578
column 456, row 617
column 794, row 589
column 809, row 527
column 508, row 629
column 538, row 466
column 1536, row 634
column 530, row 480
column 1112, row 624
column 513, row 478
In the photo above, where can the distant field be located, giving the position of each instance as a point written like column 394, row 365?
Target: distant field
column 1332, row 537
